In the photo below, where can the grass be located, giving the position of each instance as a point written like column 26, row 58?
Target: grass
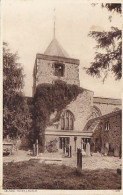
column 34, row 175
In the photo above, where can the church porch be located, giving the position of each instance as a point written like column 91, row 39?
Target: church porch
column 60, row 141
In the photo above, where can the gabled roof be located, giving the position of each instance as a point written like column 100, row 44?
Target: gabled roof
column 55, row 49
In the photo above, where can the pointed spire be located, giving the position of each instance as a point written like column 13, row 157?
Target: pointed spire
column 54, row 22
column 55, row 49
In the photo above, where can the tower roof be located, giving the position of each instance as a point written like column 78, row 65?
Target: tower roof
column 55, row 49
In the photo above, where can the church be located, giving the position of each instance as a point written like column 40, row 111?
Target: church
column 77, row 121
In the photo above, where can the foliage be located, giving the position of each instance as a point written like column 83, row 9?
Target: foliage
column 16, row 116
column 49, row 98
column 12, row 73
column 110, row 44
column 116, row 7
column 51, row 146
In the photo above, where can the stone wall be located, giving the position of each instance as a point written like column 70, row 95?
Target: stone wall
column 110, row 139
column 45, row 72
column 82, row 109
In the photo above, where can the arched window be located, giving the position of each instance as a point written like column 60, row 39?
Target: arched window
column 67, row 120
column 62, row 123
column 71, row 123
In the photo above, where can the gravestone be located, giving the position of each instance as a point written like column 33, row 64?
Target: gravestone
column 116, row 151
column 106, row 149
column 82, row 149
column 88, row 149
column 70, row 152
column 34, row 150
column 79, row 160
column 64, row 149
column 37, row 147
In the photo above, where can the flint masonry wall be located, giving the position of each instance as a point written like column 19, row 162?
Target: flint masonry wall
column 44, row 70
column 112, row 136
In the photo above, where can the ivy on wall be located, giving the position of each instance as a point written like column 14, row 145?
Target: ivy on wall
column 51, row 146
column 49, row 98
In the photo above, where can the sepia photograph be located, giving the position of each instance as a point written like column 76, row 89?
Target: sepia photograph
column 62, row 95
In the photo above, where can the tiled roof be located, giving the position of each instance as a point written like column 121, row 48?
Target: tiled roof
column 55, row 49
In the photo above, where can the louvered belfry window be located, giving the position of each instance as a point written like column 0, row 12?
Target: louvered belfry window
column 59, row 69
column 67, row 120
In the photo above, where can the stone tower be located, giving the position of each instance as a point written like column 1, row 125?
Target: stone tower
column 55, row 64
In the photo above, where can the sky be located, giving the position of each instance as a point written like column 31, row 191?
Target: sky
column 27, row 26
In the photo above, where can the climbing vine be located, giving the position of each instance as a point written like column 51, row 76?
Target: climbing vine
column 49, row 98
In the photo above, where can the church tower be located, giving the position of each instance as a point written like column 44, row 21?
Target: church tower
column 55, row 64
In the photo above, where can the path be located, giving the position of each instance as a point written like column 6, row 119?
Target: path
column 93, row 162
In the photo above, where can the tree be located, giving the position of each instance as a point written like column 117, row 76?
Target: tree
column 116, row 7
column 16, row 116
column 109, row 46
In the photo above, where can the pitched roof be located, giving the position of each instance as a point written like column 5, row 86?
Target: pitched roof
column 55, row 49
column 103, row 100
